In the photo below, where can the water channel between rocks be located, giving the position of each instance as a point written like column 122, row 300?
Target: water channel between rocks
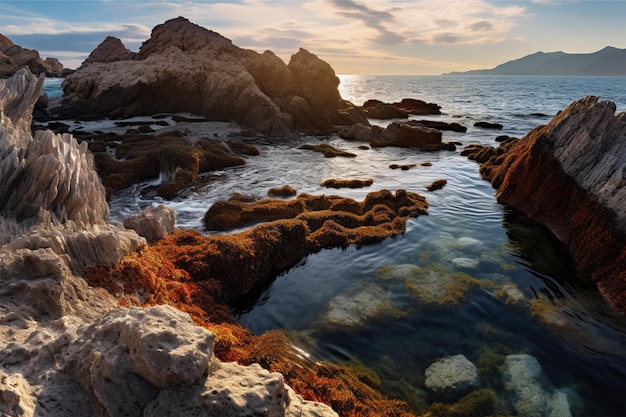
column 473, row 277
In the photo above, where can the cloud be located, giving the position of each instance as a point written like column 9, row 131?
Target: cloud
column 372, row 18
column 446, row 37
column 481, row 26
column 384, row 29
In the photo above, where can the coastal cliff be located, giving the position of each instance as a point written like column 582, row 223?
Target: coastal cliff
column 70, row 349
column 571, row 176
column 186, row 68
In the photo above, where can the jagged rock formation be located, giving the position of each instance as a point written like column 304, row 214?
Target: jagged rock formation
column 571, row 176
column 110, row 50
column 153, row 224
column 186, row 68
column 69, row 349
column 13, row 57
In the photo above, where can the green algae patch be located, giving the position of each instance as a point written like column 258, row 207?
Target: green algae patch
column 397, row 272
column 475, row 404
column 365, row 374
column 490, row 364
column 435, row 285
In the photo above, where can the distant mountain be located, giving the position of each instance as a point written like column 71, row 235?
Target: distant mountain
column 609, row 61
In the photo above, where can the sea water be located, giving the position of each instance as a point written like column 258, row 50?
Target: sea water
column 562, row 320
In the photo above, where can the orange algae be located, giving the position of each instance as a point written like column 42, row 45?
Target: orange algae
column 201, row 274
column 150, row 277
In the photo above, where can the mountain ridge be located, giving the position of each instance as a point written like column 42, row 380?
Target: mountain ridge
column 608, row 61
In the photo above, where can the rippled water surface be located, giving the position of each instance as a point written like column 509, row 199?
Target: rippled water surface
column 561, row 319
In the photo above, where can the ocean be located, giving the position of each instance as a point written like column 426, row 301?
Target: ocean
column 361, row 304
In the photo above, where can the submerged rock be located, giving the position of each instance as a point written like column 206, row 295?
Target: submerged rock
column 452, row 377
column 529, row 392
column 583, row 152
column 430, row 285
column 358, row 308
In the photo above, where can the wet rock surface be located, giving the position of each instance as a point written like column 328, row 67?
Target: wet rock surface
column 582, row 150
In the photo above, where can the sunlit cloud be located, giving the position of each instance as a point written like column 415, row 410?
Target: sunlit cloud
column 351, row 28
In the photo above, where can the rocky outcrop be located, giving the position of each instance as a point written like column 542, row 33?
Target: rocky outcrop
column 375, row 109
column 153, row 224
column 123, row 160
column 582, row 153
column 13, row 57
column 408, row 134
column 68, row 348
column 186, row 68
column 417, row 107
column 411, row 135
column 381, row 211
column 110, row 50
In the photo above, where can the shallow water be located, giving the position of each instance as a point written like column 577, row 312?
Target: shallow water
column 579, row 342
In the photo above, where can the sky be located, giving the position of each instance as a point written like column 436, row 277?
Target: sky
column 412, row 37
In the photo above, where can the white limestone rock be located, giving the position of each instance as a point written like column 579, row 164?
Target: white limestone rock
column 153, row 224
column 16, row 395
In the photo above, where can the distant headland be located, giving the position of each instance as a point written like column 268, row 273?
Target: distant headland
column 608, row 61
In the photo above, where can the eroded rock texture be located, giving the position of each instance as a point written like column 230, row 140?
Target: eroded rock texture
column 186, row 68
column 571, row 176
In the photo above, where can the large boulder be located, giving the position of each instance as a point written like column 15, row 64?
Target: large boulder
column 186, row 68
column 411, row 135
column 582, row 152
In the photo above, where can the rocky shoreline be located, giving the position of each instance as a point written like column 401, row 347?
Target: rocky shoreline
column 569, row 175
column 107, row 320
